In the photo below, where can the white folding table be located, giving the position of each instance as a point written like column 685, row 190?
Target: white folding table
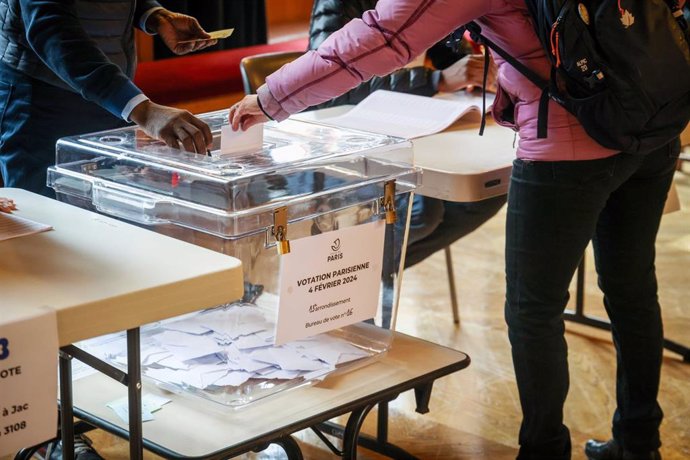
column 101, row 276
column 457, row 164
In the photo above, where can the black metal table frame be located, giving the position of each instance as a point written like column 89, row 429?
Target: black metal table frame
column 578, row 315
column 131, row 379
column 350, row 433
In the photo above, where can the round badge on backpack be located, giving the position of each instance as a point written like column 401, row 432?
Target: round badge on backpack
column 584, row 14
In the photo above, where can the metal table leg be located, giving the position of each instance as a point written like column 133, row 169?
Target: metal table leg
column 136, row 447
column 351, row 436
column 131, row 379
column 66, row 406
column 578, row 316
column 352, row 429
column 291, row 448
column 27, row 454
column 451, row 285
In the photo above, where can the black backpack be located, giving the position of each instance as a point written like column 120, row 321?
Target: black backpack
column 622, row 67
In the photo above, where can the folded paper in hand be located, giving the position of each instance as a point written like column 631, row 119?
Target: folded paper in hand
column 215, row 35
column 223, row 33
column 241, row 142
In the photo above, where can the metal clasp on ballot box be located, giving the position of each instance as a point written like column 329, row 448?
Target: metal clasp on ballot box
column 279, row 230
column 388, row 202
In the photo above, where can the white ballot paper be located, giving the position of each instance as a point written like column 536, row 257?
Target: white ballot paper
column 330, row 281
column 225, row 350
column 28, row 379
column 406, row 115
column 241, row 142
column 150, row 403
column 13, row 226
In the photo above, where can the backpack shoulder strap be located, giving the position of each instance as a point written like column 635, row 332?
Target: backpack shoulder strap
column 546, row 86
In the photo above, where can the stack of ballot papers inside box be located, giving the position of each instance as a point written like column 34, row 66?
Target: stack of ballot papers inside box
column 229, row 346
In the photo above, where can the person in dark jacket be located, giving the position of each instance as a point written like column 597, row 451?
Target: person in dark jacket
column 66, row 68
column 434, row 223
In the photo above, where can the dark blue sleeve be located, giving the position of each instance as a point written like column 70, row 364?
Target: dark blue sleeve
column 142, row 7
column 57, row 37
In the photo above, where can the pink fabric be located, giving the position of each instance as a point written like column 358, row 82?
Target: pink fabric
column 399, row 30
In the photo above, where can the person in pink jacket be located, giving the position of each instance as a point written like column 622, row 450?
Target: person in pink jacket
column 565, row 191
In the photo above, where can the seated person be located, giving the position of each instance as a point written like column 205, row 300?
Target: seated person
column 434, row 223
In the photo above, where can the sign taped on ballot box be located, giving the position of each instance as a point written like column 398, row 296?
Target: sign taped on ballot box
column 28, row 380
column 329, row 281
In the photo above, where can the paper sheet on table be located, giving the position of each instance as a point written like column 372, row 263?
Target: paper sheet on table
column 13, row 226
column 241, row 142
column 150, row 403
column 405, row 115
column 463, row 97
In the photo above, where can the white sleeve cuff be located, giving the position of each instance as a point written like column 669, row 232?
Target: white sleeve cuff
column 145, row 17
column 135, row 101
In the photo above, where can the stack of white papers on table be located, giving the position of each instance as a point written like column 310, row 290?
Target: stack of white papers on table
column 408, row 115
column 13, row 226
column 227, row 346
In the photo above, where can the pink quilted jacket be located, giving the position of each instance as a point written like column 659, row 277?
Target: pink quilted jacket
column 399, row 30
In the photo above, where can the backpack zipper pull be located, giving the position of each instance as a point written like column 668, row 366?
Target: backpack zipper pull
column 555, row 39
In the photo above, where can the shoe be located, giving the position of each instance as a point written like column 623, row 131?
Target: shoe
column 82, row 449
column 610, row 450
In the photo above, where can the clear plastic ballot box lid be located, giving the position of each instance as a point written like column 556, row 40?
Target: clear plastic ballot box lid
column 306, row 181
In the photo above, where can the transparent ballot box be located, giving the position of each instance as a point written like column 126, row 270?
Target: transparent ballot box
column 318, row 216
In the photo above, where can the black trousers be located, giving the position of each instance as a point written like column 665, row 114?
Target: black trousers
column 554, row 210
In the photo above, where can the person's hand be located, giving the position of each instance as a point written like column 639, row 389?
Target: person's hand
column 181, row 33
column 246, row 113
column 468, row 73
column 173, row 126
column 7, row 205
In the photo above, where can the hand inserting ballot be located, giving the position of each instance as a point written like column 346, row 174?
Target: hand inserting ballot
column 246, row 113
column 177, row 128
column 7, row 205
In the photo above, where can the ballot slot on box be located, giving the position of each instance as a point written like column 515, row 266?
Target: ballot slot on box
column 317, row 215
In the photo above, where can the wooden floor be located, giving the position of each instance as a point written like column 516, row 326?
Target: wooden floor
column 475, row 413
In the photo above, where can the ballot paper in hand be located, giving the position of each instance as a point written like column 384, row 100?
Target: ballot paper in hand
column 214, row 35
column 241, row 142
